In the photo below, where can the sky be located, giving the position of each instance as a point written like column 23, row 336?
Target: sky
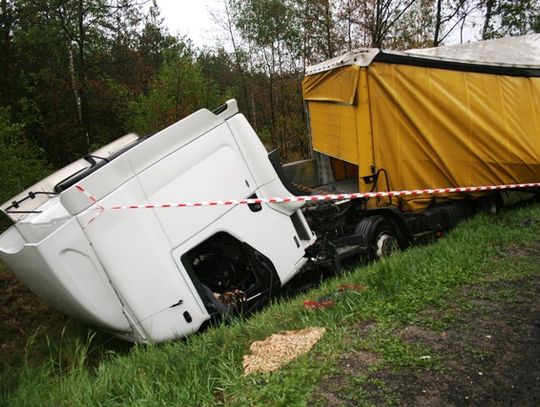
column 191, row 18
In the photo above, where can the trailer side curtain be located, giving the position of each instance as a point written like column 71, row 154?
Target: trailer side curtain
column 333, row 130
column 332, row 86
column 440, row 128
column 332, row 98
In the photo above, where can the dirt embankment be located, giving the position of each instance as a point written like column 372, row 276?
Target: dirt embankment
column 490, row 354
column 22, row 314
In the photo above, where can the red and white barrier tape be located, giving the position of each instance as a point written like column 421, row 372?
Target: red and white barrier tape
column 93, row 199
column 312, row 198
column 85, row 192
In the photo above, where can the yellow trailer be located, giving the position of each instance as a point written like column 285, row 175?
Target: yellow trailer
column 463, row 115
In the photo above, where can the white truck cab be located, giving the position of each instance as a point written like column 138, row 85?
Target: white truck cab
column 151, row 275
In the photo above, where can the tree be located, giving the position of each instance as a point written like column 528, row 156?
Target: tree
column 80, row 63
column 7, row 51
column 267, row 41
column 414, row 29
column 21, row 162
column 320, row 23
column 221, row 77
column 394, row 24
column 178, row 90
column 489, row 9
column 379, row 17
column 510, row 17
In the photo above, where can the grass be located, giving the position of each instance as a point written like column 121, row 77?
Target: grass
column 206, row 369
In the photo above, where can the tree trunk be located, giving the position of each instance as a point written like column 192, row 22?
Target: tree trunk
column 74, row 84
column 6, row 57
column 437, row 24
column 237, row 58
column 82, row 75
column 487, row 18
column 349, row 24
column 376, row 26
column 328, row 28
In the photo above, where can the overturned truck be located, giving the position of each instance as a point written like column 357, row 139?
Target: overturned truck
column 453, row 116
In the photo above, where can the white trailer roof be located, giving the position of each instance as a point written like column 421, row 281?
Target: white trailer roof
column 516, row 52
column 522, row 51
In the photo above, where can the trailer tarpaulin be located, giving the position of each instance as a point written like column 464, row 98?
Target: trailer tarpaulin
column 445, row 127
column 428, row 120
column 332, row 86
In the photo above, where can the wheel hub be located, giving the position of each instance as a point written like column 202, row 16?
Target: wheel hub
column 386, row 245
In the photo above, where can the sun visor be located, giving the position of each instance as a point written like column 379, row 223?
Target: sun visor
column 338, row 85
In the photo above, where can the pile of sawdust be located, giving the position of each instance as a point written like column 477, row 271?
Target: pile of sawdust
column 279, row 349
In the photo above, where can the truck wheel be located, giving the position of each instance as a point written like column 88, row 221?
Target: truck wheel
column 490, row 205
column 380, row 234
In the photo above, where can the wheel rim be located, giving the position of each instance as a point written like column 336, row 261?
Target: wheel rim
column 386, row 245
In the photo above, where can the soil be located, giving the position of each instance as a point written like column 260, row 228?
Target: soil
column 25, row 318
column 490, row 354
column 22, row 315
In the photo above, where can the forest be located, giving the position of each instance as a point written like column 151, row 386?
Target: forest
column 77, row 74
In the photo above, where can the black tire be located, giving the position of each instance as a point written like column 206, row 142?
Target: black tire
column 490, row 205
column 380, row 234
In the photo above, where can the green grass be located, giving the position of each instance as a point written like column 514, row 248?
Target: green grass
column 206, row 369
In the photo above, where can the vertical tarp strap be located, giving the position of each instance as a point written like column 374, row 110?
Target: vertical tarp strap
column 364, row 131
